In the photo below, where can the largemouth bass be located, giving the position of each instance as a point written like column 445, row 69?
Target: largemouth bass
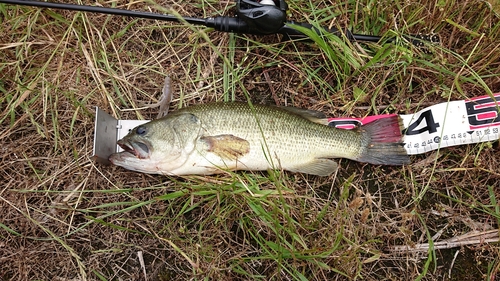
column 211, row 138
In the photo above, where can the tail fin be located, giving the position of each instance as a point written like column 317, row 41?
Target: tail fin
column 382, row 141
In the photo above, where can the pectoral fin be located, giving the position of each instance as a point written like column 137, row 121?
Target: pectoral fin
column 227, row 146
column 318, row 167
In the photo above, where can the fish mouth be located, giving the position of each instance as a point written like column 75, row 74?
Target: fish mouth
column 138, row 149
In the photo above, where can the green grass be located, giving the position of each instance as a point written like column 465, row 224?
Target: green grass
column 67, row 217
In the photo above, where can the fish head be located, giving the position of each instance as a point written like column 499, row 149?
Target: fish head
column 159, row 146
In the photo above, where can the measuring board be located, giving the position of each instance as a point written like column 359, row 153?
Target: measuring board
column 442, row 125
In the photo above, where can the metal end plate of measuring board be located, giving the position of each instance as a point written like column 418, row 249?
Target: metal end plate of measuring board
column 107, row 131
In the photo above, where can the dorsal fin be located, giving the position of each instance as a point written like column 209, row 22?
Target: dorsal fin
column 311, row 115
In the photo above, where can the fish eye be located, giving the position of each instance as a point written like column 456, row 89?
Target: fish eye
column 141, row 130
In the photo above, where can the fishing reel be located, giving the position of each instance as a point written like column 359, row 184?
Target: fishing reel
column 262, row 17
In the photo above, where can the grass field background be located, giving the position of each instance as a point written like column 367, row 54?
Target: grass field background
column 64, row 217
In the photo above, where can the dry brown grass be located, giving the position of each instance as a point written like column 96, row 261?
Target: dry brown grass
column 63, row 217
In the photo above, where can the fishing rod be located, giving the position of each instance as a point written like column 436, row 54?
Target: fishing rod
column 262, row 17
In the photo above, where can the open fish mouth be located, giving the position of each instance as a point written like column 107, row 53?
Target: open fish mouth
column 127, row 148
column 138, row 149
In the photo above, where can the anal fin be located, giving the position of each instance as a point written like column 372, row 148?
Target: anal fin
column 319, row 167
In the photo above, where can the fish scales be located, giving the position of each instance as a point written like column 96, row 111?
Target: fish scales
column 288, row 134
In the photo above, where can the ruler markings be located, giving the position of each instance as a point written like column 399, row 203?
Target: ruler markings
column 446, row 124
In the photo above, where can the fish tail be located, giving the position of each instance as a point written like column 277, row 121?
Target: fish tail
column 382, row 142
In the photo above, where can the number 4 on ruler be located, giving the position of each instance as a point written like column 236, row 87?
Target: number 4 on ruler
column 431, row 126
